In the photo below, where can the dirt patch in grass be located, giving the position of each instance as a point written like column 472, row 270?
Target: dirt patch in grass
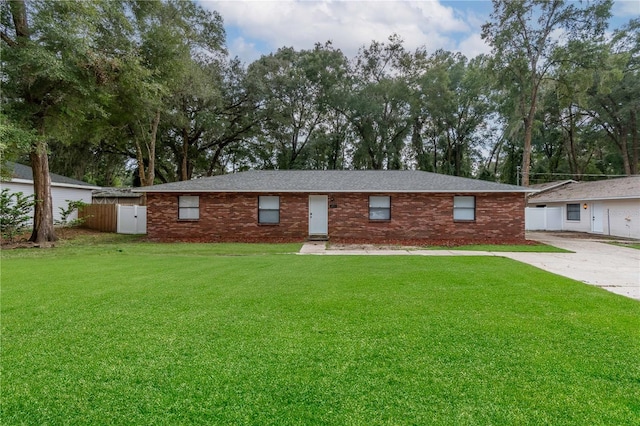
column 587, row 236
column 421, row 244
column 64, row 235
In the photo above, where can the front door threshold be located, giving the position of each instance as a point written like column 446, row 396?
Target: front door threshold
column 318, row 237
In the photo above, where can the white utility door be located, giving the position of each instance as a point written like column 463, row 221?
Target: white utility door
column 597, row 218
column 318, row 215
column 132, row 220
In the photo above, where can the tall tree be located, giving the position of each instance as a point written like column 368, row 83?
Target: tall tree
column 48, row 71
column 451, row 107
column 614, row 102
column 378, row 105
column 527, row 37
column 295, row 86
column 165, row 51
column 215, row 109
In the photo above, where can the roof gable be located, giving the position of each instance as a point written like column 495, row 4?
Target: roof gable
column 551, row 185
column 334, row 181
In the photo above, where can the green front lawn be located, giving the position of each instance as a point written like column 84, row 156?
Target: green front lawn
column 135, row 333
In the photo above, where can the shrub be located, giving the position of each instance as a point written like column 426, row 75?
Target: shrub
column 66, row 212
column 15, row 212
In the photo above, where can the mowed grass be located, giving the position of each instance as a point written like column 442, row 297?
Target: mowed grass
column 628, row 245
column 178, row 334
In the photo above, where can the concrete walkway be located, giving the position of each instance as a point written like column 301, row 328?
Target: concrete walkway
column 613, row 268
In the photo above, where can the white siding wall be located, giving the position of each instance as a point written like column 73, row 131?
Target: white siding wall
column 620, row 218
column 623, row 216
column 59, row 196
column 582, row 225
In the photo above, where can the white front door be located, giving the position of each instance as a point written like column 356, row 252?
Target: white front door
column 318, row 215
column 597, row 218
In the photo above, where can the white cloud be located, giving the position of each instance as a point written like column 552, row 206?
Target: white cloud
column 626, row 8
column 243, row 49
column 473, row 46
column 348, row 24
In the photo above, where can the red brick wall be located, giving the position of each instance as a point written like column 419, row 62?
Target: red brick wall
column 415, row 218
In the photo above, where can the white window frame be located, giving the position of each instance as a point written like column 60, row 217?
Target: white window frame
column 380, row 207
column 464, row 208
column 188, row 207
column 577, row 210
column 267, row 205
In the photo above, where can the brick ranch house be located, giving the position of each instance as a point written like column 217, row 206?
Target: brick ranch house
column 411, row 207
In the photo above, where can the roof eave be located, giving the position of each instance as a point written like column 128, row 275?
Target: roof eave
column 568, row 200
column 56, row 184
column 292, row 191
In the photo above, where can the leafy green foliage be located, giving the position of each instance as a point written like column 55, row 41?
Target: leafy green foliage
column 15, row 212
column 296, row 87
column 14, row 142
column 205, row 337
column 525, row 50
column 66, row 212
column 137, row 92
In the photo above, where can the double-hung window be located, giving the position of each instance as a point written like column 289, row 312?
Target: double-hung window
column 573, row 211
column 188, row 207
column 269, row 209
column 464, row 208
column 379, row 207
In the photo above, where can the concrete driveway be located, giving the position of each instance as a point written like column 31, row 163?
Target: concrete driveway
column 594, row 262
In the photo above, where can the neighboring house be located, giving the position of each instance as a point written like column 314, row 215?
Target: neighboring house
column 122, row 196
column 609, row 207
column 345, row 206
column 62, row 188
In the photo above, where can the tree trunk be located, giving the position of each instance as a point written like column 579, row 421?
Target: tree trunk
column 147, row 176
column 43, row 230
column 635, row 143
column 151, row 170
column 19, row 14
column 528, row 135
column 184, row 163
column 624, row 150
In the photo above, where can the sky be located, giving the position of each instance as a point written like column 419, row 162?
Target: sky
column 260, row 27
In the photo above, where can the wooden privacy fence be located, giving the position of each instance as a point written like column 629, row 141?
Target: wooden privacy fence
column 101, row 217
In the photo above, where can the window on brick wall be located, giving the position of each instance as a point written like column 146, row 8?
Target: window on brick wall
column 269, row 209
column 573, row 211
column 379, row 207
column 464, row 208
column 188, row 207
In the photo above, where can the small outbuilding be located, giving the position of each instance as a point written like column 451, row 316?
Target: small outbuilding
column 122, row 196
column 63, row 189
column 345, row 206
column 608, row 207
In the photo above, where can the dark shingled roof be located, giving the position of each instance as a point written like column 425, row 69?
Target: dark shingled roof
column 20, row 171
column 334, row 181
